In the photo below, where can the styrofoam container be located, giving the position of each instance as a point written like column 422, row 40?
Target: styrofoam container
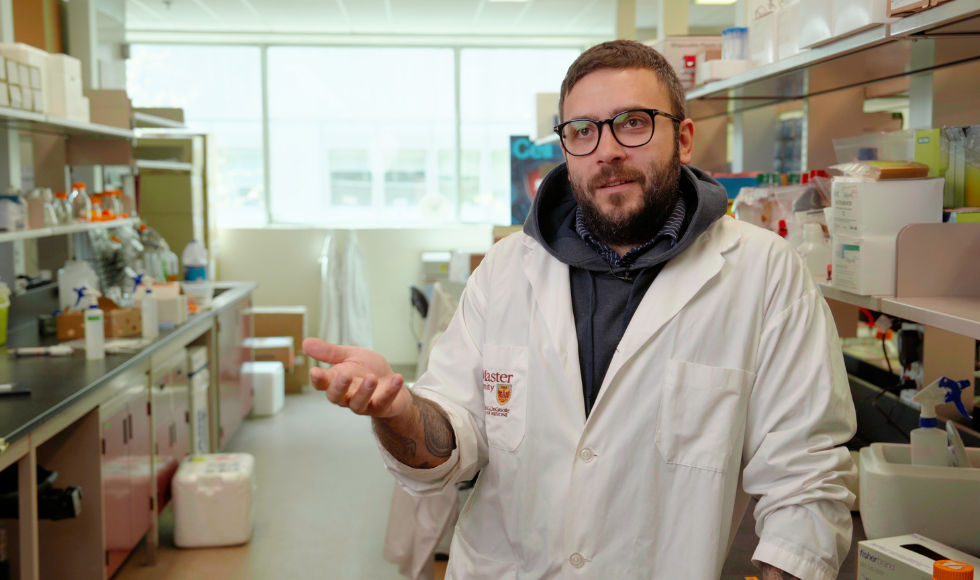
column 864, row 266
column 899, row 498
column 882, row 208
column 214, row 500
column 816, row 22
column 64, row 92
column 853, row 16
column 268, row 380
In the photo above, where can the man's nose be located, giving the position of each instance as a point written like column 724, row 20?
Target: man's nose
column 609, row 149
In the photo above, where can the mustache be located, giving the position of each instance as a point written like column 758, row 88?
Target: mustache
column 611, row 173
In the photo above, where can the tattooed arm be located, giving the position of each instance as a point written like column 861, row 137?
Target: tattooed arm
column 774, row 573
column 422, row 438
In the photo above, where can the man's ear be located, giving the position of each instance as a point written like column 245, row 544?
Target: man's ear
column 685, row 131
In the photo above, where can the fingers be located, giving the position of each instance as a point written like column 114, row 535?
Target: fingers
column 321, row 378
column 386, row 394
column 361, row 397
column 326, row 352
column 337, row 389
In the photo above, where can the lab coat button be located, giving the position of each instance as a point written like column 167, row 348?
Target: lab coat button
column 586, row 455
column 577, row 560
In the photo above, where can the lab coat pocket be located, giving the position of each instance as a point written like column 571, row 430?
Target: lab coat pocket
column 466, row 564
column 701, row 411
column 505, row 394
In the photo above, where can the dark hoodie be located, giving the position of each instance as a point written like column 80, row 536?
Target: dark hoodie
column 604, row 298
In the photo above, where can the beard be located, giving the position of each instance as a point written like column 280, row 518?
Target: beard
column 660, row 192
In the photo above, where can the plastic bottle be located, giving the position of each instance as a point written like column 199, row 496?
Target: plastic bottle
column 929, row 443
column 195, row 260
column 815, row 251
column 951, row 570
column 94, row 327
column 96, row 207
column 114, row 202
column 62, row 208
column 149, row 313
column 74, row 275
column 81, row 205
column 50, row 208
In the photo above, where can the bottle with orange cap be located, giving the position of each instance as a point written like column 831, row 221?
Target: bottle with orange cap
column 62, row 209
column 951, row 570
column 81, row 205
column 96, row 207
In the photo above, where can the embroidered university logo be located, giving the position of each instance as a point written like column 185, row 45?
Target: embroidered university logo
column 503, row 394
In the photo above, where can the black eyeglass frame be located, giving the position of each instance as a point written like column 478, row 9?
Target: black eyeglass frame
column 654, row 113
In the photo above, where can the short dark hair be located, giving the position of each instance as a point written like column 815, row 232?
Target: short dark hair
column 622, row 54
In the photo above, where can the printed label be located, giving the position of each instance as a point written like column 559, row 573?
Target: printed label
column 847, row 212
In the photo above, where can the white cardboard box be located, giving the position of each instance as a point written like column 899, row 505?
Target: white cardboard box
column 64, row 95
column 679, row 50
column 816, row 22
column 853, row 16
column 268, row 380
column 864, row 266
column 788, row 30
column 908, row 557
column 883, row 208
column 716, row 70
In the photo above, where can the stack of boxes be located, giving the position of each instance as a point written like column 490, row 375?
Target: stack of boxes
column 34, row 80
column 867, row 218
column 279, row 334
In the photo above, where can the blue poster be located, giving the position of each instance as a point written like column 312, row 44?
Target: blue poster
column 529, row 164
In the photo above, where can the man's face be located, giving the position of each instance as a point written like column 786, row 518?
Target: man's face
column 626, row 193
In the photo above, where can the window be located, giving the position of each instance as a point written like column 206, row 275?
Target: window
column 220, row 90
column 498, row 89
column 380, row 120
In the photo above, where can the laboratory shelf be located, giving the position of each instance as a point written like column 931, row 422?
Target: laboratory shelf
column 147, row 121
column 869, row 302
column 960, row 315
column 62, row 230
column 40, row 123
column 163, row 165
column 938, row 17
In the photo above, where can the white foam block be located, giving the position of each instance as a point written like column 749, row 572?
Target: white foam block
column 268, row 380
column 214, row 500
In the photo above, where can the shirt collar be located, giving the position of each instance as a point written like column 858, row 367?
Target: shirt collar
column 670, row 231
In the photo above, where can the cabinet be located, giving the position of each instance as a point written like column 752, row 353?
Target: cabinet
column 171, row 421
column 126, row 474
column 234, row 394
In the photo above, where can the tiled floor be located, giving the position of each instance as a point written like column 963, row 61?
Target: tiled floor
column 323, row 507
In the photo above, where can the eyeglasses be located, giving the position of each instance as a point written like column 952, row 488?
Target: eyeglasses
column 630, row 128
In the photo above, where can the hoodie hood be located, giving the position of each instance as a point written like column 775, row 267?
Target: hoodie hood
column 552, row 219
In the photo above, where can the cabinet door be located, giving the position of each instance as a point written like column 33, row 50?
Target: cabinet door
column 140, row 476
column 163, row 436
column 116, row 487
column 182, row 412
column 233, row 327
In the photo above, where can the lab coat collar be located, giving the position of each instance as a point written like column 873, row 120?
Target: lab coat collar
column 678, row 282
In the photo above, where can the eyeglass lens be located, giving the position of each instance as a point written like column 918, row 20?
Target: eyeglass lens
column 632, row 129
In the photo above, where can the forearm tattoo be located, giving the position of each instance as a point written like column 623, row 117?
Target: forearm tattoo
column 428, row 424
column 774, row 573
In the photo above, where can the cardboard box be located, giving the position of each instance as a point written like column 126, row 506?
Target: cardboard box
column 883, row 208
column 908, row 557
column 16, row 97
column 281, row 321
column 111, row 108
column 681, row 53
column 788, row 30
column 299, row 377
column 272, row 348
column 64, row 87
column 864, row 266
column 13, row 71
column 119, row 322
column 816, row 22
column 905, row 7
column 763, row 39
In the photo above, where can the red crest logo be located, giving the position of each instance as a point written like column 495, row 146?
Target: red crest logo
column 503, row 394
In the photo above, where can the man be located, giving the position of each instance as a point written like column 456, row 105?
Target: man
column 628, row 371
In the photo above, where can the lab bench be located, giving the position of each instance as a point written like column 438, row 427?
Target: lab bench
column 116, row 428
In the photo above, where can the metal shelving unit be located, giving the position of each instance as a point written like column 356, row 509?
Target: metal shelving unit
column 62, row 230
column 40, row 123
column 960, row 315
column 869, row 302
column 163, row 165
column 147, row 121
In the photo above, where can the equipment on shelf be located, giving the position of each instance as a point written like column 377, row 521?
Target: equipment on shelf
column 52, row 503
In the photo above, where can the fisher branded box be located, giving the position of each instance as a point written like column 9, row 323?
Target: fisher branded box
column 908, row 557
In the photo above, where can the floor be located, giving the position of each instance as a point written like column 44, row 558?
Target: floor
column 323, row 507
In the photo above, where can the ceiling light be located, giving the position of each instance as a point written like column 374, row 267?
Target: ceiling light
column 506, row 0
column 715, row 2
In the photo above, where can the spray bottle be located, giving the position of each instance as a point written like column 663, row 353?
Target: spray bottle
column 929, row 443
column 149, row 313
column 94, row 327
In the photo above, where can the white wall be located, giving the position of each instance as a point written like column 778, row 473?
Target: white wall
column 284, row 263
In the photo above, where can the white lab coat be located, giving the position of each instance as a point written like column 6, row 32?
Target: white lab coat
column 728, row 383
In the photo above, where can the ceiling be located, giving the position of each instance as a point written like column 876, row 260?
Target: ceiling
column 403, row 17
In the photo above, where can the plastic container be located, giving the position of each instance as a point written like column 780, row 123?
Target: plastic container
column 890, row 146
column 96, row 207
column 195, row 261
column 74, row 275
column 62, row 208
column 4, row 311
column 214, row 500
column 951, row 570
column 94, row 328
column 114, row 202
column 81, row 205
column 815, row 252
column 199, row 293
column 149, row 315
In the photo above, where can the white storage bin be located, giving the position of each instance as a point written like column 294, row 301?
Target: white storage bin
column 853, row 16
column 200, row 432
column 214, row 500
column 268, row 386
column 64, row 92
column 864, row 266
column 28, row 56
column 816, row 22
column 882, row 208
column 899, row 498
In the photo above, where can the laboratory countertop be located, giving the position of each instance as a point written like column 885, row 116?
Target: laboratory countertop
column 56, row 383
